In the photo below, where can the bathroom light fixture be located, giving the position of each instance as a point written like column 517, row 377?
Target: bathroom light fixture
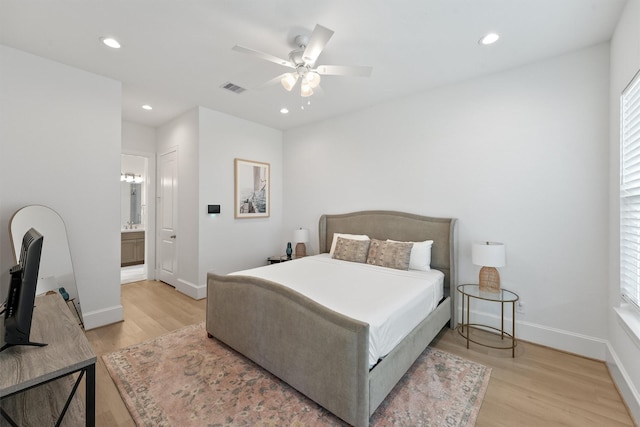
column 111, row 42
column 147, row 107
column 488, row 39
column 284, row 110
column 131, row 178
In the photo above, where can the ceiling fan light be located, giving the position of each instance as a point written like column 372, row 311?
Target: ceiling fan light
column 313, row 79
column 305, row 90
column 289, row 81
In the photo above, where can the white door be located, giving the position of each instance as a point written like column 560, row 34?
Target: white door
column 167, row 217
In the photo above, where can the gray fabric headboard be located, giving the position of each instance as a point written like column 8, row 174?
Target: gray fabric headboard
column 401, row 226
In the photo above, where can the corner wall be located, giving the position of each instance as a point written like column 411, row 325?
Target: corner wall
column 60, row 147
column 624, row 350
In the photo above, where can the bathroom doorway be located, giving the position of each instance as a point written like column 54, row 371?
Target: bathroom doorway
column 134, row 218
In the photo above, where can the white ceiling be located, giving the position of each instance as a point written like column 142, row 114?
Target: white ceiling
column 176, row 54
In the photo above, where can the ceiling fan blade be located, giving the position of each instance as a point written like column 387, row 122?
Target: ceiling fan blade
column 263, row 55
column 344, row 70
column 319, row 38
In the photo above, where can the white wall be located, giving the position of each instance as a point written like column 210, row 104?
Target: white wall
column 518, row 157
column 137, row 138
column 228, row 244
column 140, row 140
column 60, row 147
column 625, row 346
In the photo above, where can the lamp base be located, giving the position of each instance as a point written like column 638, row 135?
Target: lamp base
column 489, row 280
column 301, row 250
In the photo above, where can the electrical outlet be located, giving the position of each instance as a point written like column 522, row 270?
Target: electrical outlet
column 520, row 307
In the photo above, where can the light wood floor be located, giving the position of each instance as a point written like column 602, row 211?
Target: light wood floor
column 151, row 309
column 540, row 387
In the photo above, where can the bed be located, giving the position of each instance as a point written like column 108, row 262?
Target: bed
column 318, row 351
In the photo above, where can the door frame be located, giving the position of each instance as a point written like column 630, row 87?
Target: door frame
column 150, row 229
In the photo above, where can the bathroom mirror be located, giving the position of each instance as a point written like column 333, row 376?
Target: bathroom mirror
column 56, row 269
column 131, row 204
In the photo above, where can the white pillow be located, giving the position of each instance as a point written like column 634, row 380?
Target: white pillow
column 420, row 255
column 346, row 236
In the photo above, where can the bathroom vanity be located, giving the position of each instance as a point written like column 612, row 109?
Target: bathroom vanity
column 132, row 247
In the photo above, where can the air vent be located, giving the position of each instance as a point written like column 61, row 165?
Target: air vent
column 233, row 87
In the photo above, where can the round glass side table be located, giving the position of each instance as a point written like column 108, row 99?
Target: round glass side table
column 503, row 296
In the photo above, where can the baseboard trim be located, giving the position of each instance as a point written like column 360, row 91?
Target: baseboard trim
column 191, row 290
column 624, row 384
column 102, row 317
column 571, row 342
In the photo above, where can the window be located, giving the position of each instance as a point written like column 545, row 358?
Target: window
column 630, row 192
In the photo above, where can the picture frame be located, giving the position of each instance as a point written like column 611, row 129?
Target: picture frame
column 252, row 182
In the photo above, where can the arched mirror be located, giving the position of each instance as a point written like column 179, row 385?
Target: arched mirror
column 56, row 270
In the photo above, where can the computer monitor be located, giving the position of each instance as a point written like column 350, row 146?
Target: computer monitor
column 22, row 292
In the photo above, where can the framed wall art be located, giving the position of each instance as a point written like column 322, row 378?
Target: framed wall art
column 252, row 182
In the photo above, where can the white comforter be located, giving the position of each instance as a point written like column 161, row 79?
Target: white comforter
column 392, row 302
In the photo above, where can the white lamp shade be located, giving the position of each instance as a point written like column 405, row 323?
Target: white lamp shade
column 305, row 90
column 301, row 235
column 289, row 81
column 488, row 254
column 313, row 79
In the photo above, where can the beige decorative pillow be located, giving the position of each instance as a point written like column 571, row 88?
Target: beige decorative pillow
column 390, row 254
column 420, row 255
column 334, row 242
column 351, row 250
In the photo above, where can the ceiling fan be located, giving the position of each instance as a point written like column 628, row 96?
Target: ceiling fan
column 303, row 62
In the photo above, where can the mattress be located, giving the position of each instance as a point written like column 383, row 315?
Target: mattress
column 393, row 302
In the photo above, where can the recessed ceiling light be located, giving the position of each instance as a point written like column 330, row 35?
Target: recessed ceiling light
column 147, row 107
column 284, row 110
column 111, row 42
column 490, row 38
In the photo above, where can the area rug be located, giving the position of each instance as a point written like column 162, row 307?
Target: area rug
column 186, row 379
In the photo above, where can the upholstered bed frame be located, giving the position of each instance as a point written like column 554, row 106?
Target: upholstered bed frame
column 319, row 352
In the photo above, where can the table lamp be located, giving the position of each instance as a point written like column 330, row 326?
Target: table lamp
column 489, row 255
column 301, row 236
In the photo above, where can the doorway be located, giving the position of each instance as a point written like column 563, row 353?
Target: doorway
column 134, row 218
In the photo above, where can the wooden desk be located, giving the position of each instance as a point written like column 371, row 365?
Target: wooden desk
column 35, row 382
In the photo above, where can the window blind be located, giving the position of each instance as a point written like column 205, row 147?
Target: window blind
column 630, row 192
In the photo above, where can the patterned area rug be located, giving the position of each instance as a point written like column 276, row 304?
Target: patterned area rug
column 186, row 379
